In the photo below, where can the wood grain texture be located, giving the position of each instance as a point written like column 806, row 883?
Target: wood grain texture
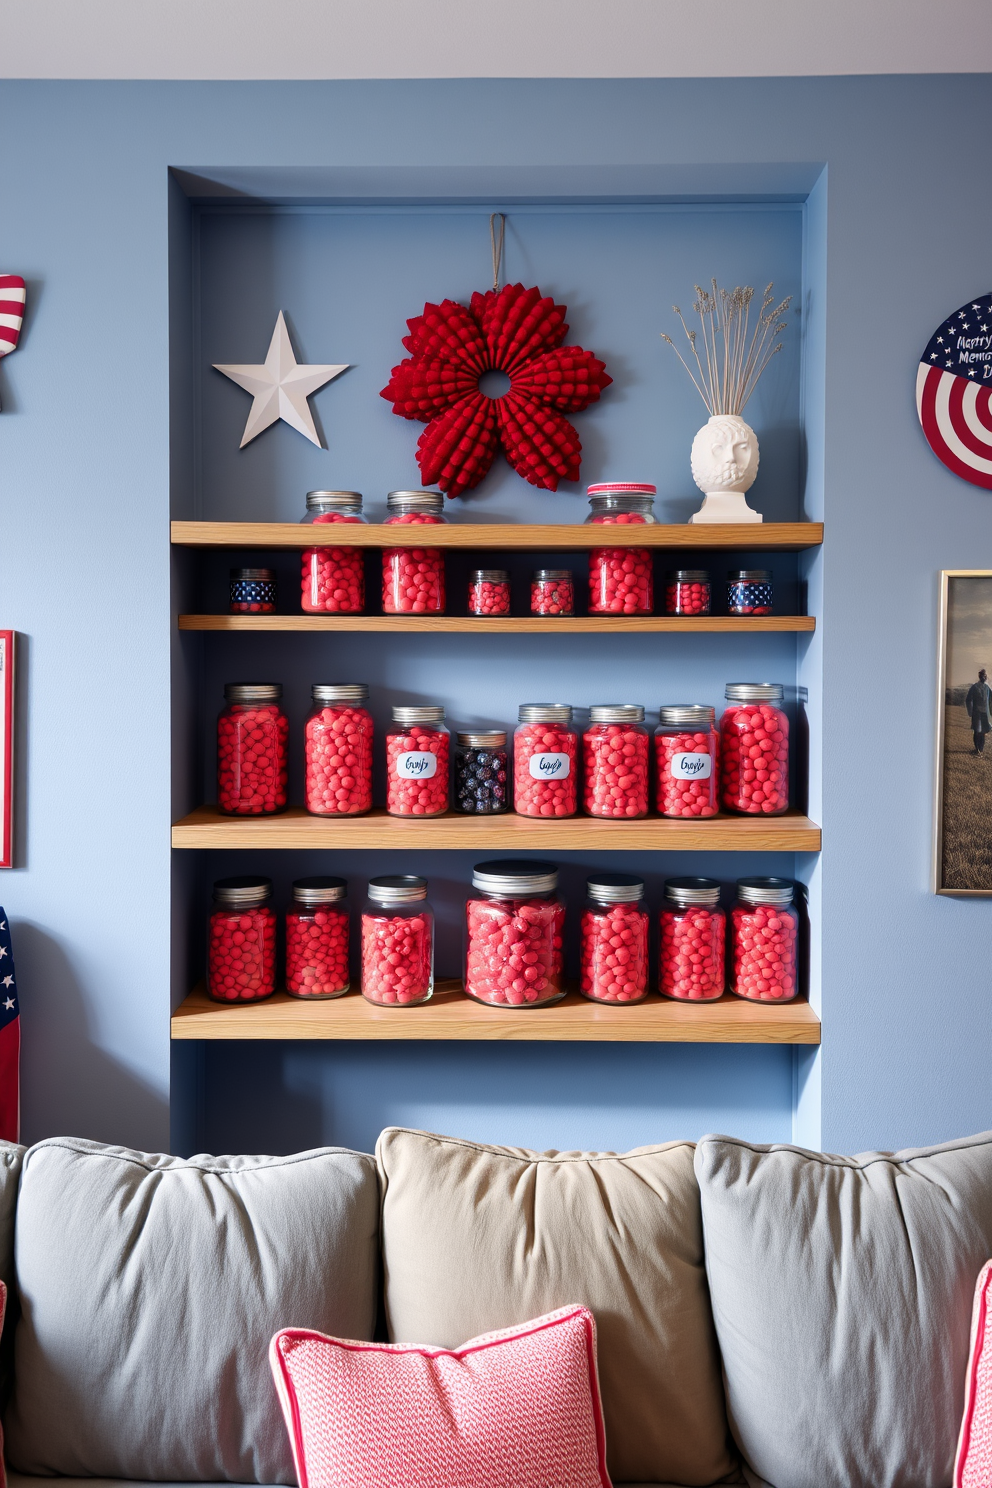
column 787, row 537
column 207, row 828
column 511, row 625
column 450, row 1015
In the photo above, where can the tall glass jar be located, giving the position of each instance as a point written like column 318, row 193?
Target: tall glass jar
column 615, row 759
column 252, row 734
column 514, row 929
column 693, row 938
column 614, row 950
column 687, row 760
column 333, row 579
column 765, row 934
column 413, row 578
column 317, row 939
column 397, row 942
column 417, row 761
column 754, row 749
column 482, row 787
column 241, row 941
column 489, row 591
column 545, row 761
column 621, row 580
column 338, row 751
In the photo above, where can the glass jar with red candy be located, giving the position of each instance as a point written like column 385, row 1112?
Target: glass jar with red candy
column 333, row 579
column 514, row 927
column 765, row 934
column 317, row 939
column 686, row 760
column 413, row 578
column 489, row 592
column 241, row 941
column 552, row 592
column 615, row 762
column 621, row 580
column 397, row 942
column 251, row 750
column 688, row 592
column 754, row 749
column 338, row 751
column 253, row 591
column 693, row 938
column 545, row 761
column 614, row 940
column 417, row 761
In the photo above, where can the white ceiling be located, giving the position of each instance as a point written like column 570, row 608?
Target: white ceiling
column 489, row 38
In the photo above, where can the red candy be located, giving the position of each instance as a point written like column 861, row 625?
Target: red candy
column 691, row 963
column 615, row 766
column 397, row 958
column 514, row 951
column 687, row 598
column 552, row 597
column 251, row 759
column 333, row 581
column 488, row 598
column 413, row 578
column 614, row 965
column 545, row 786
column 621, row 580
column 417, row 771
column 687, row 770
column 338, row 751
column 241, row 954
column 317, row 951
column 765, row 952
column 754, row 759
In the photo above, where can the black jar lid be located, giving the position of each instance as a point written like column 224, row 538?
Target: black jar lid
column 247, row 575
column 690, row 575
column 552, row 575
column 749, row 575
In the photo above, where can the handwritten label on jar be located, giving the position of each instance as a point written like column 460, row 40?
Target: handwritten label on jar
column 418, row 764
column 549, row 766
column 692, row 766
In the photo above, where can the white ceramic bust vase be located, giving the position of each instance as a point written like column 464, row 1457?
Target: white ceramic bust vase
column 724, row 464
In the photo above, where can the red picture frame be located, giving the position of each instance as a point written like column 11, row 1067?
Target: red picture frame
column 7, row 671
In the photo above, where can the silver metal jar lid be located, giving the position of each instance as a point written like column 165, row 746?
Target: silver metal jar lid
column 686, row 891
column 418, row 713
column 340, row 692
column 246, row 575
column 489, row 576
column 313, row 891
column 415, row 501
column 615, row 888
column 616, row 713
column 754, row 692
column 690, row 575
column 514, row 876
column 552, row 575
column 544, row 713
column 345, row 500
column 766, row 890
column 749, row 575
column 399, row 888
column 252, row 692
column 686, row 715
column 483, row 739
column 242, row 893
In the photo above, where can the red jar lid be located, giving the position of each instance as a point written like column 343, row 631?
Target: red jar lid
column 633, row 488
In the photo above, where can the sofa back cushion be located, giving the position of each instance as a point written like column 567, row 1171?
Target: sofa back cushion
column 150, row 1288
column 479, row 1238
column 11, row 1157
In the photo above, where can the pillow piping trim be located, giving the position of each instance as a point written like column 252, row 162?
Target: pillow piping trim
column 463, row 1143
column 850, row 1164
column 978, row 1324
column 184, row 1165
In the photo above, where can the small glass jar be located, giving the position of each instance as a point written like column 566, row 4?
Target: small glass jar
column 545, row 761
column 413, row 578
column 616, row 762
column 417, row 761
column 749, row 591
column 687, row 754
column 489, row 592
column 253, row 591
column 688, row 592
column 514, row 929
column 397, row 942
column 241, row 941
column 482, row 786
column 317, row 939
column 754, row 749
column 338, row 751
column 552, row 592
column 765, row 936
column 333, row 579
column 621, row 580
column 693, row 938
column 252, row 732
column 614, row 940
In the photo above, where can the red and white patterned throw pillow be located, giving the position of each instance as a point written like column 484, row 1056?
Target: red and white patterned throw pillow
column 973, row 1463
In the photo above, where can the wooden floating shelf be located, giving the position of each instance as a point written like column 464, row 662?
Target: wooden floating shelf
column 449, row 1015
column 206, row 827
column 786, row 537
column 511, row 625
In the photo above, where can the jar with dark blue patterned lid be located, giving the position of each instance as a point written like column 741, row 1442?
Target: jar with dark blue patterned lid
column 749, row 591
column 253, row 591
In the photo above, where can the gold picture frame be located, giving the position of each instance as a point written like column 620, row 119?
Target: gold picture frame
column 962, row 838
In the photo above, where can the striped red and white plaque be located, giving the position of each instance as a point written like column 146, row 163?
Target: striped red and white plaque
column 954, row 392
column 11, row 311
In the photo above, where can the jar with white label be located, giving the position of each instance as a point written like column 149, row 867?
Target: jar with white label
column 616, row 751
column 514, row 927
column 417, row 761
column 687, row 760
column 545, row 761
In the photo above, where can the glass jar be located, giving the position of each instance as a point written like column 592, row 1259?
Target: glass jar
column 317, row 939
column 687, row 754
column 241, row 941
column 514, row 934
column 417, row 762
column 765, row 936
column 754, row 749
column 482, row 773
column 413, row 578
column 693, row 938
column 397, row 942
column 749, row 591
column 333, row 579
column 621, row 580
column 252, row 732
column 552, row 592
column 338, row 751
column 615, row 762
column 688, row 592
column 253, row 591
column 545, row 761
column 614, row 940
column 489, row 592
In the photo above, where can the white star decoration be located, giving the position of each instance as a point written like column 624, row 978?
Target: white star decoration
column 8, row 981
column 9, row 1004
column 280, row 387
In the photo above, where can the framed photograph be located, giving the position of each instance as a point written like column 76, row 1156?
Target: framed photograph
column 7, row 649
column 962, row 857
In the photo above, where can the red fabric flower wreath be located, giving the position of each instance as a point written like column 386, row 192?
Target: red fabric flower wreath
column 514, row 330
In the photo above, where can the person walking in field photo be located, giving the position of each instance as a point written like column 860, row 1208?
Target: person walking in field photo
column 977, row 703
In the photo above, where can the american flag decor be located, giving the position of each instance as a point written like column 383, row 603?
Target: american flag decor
column 954, row 389
column 10, row 1040
column 11, row 311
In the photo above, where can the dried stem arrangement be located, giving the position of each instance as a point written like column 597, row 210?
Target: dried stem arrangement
column 734, row 353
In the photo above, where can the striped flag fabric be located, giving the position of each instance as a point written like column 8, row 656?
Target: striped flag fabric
column 12, row 296
column 954, row 392
column 10, row 1040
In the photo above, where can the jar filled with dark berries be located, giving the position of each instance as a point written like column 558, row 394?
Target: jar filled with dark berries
column 489, row 591
column 253, row 591
column 241, row 941
column 693, row 936
column 252, row 732
column 333, row 579
column 552, row 592
column 482, row 785
column 749, row 591
column 765, row 934
column 413, row 578
column 397, row 942
column 614, row 940
column 317, row 939
column 688, row 591
column 621, row 580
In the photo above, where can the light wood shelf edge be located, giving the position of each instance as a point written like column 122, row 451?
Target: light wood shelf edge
column 514, row 624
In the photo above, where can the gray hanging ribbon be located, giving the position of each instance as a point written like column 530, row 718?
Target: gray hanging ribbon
column 497, row 247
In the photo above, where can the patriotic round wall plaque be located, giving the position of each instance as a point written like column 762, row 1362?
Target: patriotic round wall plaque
column 954, row 391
